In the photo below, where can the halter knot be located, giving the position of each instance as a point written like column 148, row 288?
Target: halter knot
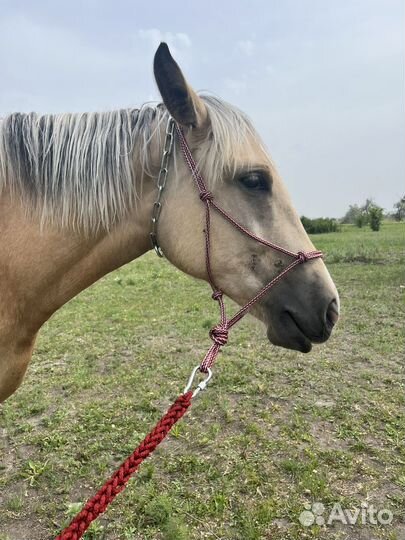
column 219, row 335
column 216, row 295
column 302, row 256
column 206, row 195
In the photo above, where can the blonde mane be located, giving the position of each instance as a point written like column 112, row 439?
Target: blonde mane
column 83, row 171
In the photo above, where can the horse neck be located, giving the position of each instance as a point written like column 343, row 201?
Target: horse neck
column 41, row 268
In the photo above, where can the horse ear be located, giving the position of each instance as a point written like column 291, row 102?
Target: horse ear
column 180, row 99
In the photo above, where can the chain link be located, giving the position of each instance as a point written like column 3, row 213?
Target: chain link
column 161, row 183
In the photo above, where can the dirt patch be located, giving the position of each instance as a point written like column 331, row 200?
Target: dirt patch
column 324, row 434
column 25, row 530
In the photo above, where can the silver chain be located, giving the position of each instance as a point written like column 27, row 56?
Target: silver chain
column 161, row 182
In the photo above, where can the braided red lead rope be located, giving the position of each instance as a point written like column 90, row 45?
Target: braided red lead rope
column 98, row 504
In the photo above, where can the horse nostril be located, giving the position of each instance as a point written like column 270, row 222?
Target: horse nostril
column 332, row 313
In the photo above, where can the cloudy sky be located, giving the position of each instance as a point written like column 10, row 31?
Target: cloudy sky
column 323, row 80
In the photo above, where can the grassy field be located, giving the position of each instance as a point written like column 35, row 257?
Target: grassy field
column 275, row 432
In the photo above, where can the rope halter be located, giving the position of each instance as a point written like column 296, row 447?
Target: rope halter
column 219, row 333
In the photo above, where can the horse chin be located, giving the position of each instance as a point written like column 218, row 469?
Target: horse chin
column 287, row 334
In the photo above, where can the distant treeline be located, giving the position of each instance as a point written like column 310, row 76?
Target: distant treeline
column 368, row 214
column 320, row 225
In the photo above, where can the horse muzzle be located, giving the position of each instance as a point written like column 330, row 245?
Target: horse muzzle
column 299, row 330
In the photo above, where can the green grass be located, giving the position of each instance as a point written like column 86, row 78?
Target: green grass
column 275, row 430
column 364, row 245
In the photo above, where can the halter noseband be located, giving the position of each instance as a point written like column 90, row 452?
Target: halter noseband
column 219, row 333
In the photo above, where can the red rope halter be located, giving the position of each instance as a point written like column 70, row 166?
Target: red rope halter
column 219, row 335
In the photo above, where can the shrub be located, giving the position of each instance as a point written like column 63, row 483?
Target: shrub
column 361, row 219
column 399, row 214
column 319, row 225
column 375, row 217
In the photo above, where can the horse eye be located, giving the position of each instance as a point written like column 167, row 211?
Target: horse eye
column 254, row 181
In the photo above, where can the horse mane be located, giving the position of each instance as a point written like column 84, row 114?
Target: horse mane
column 79, row 171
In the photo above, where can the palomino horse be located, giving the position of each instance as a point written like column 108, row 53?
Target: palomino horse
column 77, row 192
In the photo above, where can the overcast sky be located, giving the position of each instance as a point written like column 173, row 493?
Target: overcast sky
column 322, row 80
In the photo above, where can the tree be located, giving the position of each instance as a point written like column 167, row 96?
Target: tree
column 367, row 206
column 367, row 214
column 399, row 214
column 360, row 219
column 358, row 215
column 375, row 217
column 352, row 214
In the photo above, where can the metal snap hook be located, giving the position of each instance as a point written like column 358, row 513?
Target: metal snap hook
column 202, row 385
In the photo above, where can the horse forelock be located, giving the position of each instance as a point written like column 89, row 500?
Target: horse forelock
column 230, row 131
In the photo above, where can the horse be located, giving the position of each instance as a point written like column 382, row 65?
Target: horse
column 77, row 192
